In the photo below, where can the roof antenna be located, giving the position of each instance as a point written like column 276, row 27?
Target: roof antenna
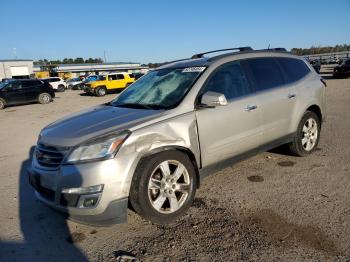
column 268, row 47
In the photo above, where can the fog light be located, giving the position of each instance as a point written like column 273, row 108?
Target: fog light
column 90, row 201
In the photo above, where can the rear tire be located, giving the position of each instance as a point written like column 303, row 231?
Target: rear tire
column 101, row 91
column 44, row 98
column 2, row 103
column 61, row 88
column 307, row 135
column 163, row 187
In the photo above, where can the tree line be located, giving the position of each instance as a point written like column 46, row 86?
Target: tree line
column 297, row 51
column 78, row 60
column 320, row 49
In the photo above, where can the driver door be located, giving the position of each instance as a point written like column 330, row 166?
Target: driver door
column 232, row 129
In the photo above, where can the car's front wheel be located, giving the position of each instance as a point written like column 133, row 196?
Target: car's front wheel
column 44, row 98
column 101, row 91
column 61, row 88
column 2, row 103
column 307, row 135
column 163, row 187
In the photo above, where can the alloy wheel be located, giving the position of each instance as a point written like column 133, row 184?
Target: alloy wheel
column 169, row 186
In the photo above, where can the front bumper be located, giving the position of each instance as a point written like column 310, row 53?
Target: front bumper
column 110, row 205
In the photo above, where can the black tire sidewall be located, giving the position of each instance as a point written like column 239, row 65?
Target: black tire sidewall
column 2, row 103
column 139, row 188
column 98, row 91
column 61, row 88
column 297, row 141
column 40, row 98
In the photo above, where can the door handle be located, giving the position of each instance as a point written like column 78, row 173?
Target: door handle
column 250, row 108
column 291, row 96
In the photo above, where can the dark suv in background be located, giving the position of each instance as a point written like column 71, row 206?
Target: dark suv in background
column 342, row 70
column 14, row 92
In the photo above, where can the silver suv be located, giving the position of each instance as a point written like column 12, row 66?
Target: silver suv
column 149, row 148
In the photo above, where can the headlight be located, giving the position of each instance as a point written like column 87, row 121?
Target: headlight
column 101, row 148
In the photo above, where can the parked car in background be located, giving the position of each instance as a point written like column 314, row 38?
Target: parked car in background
column 137, row 75
column 316, row 64
column 342, row 70
column 75, row 83
column 151, row 146
column 108, row 83
column 57, row 83
column 91, row 78
column 13, row 92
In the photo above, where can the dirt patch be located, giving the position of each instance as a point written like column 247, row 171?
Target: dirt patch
column 201, row 237
column 287, row 234
column 286, row 163
column 76, row 237
column 255, row 178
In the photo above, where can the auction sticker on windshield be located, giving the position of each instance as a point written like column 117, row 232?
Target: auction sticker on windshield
column 193, row 69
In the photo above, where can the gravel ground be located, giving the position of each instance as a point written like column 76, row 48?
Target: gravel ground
column 268, row 208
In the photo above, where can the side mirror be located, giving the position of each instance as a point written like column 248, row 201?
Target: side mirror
column 213, row 99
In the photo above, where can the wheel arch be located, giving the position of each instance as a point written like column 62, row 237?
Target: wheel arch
column 182, row 149
column 317, row 110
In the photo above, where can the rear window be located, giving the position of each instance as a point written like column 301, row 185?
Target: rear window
column 295, row 69
column 266, row 73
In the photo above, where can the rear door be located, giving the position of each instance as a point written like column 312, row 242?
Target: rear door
column 121, row 81
column 227, row 131
column 275, row 97
column 112, row 82
column 15, row 93
column 31, row 89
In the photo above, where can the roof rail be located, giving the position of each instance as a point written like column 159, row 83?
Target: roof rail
column 244, row 48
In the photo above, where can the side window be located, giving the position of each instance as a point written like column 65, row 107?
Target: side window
column 266, row 73
column 229, row 80
column 120, row 77
column 26, row 84
column 295, row 69
column 15, row 85
column 112, row 77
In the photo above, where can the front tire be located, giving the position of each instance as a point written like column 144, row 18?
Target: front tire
column 101, row 91
column 61, row 88
column 2, row 103
column 307, row 135
column 163, row 187
column 44, row 98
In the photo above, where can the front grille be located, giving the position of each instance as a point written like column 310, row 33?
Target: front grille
column 50, row 156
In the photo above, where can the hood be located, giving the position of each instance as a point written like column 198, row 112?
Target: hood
column 79, row 127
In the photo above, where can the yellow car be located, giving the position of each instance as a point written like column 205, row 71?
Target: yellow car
column 109, row 82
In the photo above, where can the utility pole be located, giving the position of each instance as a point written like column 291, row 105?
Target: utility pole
column 14, row 52
column 104, row 56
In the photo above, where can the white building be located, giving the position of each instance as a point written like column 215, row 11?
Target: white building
column 16, row 68
column 79, row 69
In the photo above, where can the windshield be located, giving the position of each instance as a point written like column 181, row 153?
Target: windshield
column 74, row 80
column 3, row 84
column 159, row 89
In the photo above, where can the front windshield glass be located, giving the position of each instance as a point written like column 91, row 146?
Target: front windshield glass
column 74, row 80
column 3, row 84
column 159, row 89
